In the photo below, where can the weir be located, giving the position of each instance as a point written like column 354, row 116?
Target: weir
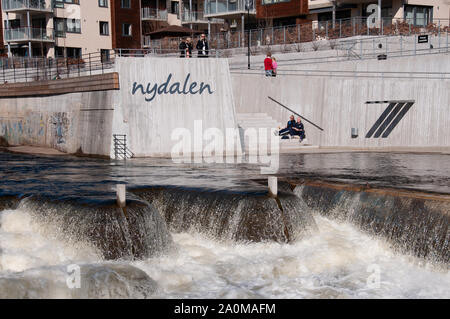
column 135, row 232
column 223, row 215
column 412, row 222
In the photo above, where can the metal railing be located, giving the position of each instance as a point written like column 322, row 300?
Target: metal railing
column 188, row 16
column 121, row 151
column 154, row 14
column 41, row 5
column 308, row 32
column 219, row 7
column 29, row 34
column 24, row 69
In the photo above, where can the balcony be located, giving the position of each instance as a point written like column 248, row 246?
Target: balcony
column 27, row 34
column 230, row 9
column 154, row 14
column 197, row 17
column 17, row 6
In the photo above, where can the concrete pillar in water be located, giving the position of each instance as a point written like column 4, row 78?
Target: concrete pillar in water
column 121, row 195
column 273, row 185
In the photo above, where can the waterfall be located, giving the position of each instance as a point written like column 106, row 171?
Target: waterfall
column 411, row 222
column 135, row 232
column 233, row 216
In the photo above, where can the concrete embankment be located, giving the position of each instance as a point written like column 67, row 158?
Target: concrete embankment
column 155, row 102
column 412, row 222
column 161, row 99
column 337, row 103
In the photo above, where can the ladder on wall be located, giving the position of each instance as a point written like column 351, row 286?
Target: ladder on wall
column 121, row 151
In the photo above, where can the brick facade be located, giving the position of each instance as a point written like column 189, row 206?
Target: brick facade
column 290, row 8
column 132, row 16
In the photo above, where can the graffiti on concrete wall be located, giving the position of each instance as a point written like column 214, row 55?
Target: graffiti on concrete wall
column 60, row 125
column 29, row 129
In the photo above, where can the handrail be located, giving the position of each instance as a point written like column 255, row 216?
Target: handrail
column 296, row 113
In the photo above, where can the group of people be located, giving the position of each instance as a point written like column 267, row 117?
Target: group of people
column 270, row 65
column 186, row 47
column 293, row 128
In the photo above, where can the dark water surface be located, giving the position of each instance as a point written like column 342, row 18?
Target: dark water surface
column 75, row 177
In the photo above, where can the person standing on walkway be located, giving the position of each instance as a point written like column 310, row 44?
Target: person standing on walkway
column 189, row 48
column 182, row 48
column 202, row 47
column 268, row 64
column 274, row 66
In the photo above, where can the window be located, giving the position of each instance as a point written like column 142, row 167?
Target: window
column 105, row 55
column 59, row 26
column 13, row 24
column 174, row 6
column 125, row 4
column 272, row 1
column 59, row 52
column 73, row 25
column 104, row 28
column 418, row 15
column 74, row 53
column 62, row 26
column 126, row 30
column 60, row 3
column 103, row 3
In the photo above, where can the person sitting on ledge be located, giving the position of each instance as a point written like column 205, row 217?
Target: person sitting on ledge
column 298, row 129
column 288, row 129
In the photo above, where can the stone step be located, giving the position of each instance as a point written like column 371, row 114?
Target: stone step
column 267, row 124
column 251, row 115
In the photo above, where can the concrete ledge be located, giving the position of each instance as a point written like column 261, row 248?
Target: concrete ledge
column 100, row 82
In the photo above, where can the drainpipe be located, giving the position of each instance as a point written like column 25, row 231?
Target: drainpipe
column 379, row 13
column 29, row 34
column 334, row 14
column 8, row 27
column 243, row 30
column 190, row 12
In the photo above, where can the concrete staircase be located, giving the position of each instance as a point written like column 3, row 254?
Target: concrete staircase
column 262, row 120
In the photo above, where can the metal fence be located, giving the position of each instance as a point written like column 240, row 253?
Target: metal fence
column 20, row 69
column 307, row 32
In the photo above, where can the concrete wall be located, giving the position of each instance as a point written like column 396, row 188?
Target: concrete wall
column 149, row 124
column 337, row 104
column 76, row 122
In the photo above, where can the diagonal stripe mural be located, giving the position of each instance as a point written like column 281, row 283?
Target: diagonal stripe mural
column 389, row 119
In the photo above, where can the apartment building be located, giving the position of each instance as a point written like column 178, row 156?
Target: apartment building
column 56, row 28
column 282, row 12
column 415, row 12
column 71, row 28
column 193, row 16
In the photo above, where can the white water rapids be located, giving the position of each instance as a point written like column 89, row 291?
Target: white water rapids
column 338, row 261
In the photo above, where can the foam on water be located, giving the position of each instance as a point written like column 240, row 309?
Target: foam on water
column 336, row 262
column 24, row 244
column 34, row 264
column 331, row 263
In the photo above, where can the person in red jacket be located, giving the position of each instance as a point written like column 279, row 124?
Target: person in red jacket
column 268, row 64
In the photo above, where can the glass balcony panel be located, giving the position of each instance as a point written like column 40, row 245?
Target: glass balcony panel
column 29, row 34
column 41, row 5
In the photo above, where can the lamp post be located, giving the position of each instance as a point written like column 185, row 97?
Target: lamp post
column 248, row 5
